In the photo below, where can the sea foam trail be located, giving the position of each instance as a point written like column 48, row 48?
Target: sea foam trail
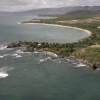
column 3, row 75
column 80, row 65
column 4, row 55
column 12, row 55
column 4, row 71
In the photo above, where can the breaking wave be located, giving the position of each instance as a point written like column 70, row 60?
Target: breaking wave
column 4, row 55
column 3, row 75
column 36, row 52
column 4, row 71
column 4, row 47
column 16, row 55
column 1, row 56
column 12, row 55
column 50, row 54
column 80, row 65
column 21, row 52
column 44, row 60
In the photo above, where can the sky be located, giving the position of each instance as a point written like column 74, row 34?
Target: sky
column 20, row 5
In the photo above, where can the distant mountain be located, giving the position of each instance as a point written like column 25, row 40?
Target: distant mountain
column 82, row 13
column 63, row 10
column 59, row 11
column 49, row 11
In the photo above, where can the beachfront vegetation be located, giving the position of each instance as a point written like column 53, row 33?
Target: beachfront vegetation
column 81, row 49
column 92, row 55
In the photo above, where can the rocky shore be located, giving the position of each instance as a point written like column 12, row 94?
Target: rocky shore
column 47, row 50
column 27, row 47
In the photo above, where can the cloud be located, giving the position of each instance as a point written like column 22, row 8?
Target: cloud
column 19, row 5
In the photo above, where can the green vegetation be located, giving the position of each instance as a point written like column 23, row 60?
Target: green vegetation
column 60, row 49
column 81, row 49
column 92, row 55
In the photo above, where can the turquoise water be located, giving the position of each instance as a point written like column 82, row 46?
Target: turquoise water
column 11, row 31
column 54, row 79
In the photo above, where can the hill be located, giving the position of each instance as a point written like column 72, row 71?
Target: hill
column 59, row 11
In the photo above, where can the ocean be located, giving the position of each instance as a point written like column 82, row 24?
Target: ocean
column 24, row 77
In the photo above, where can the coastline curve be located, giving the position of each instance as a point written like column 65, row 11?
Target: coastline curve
column 58, row 25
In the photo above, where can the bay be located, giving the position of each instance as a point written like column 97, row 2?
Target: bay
column 25, row 78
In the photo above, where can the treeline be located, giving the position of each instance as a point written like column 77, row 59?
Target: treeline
column 74, row 49
column 65, row 49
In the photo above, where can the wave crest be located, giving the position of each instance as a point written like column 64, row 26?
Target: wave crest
column 4, row 71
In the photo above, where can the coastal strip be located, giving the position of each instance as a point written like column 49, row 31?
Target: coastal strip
column 57, row 25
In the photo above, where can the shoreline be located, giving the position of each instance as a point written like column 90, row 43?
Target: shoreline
column 84, row 30
column 94, row 66
column 36, row 47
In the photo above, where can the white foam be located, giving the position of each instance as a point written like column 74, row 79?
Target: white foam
column 68, row 60
column 45, row 59
column 4, row 70
column 18, row 56
column 81, row 65
column 3, row 75
column 35, row 52
column 1, row 56
column 5, row 55
column 74, row 63
column 21, row 52
column 15, row 54
column 42, row 60
column 98, row 69
column 57, row 60
column 3, row 47
column 50, row 54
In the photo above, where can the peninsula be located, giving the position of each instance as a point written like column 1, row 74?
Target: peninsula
column 87, row 49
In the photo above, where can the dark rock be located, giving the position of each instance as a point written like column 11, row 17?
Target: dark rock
column 95, row 66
